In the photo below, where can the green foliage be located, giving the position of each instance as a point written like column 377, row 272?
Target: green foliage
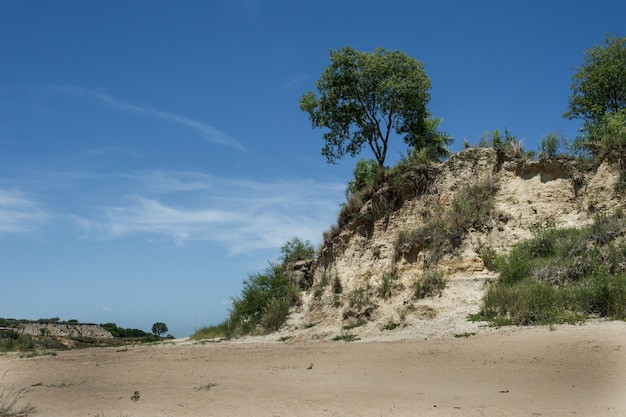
column 296, row 250
column 508, row 144
column 391, row 325
column 264, row 303
column 472, row 207
column 320, row 286
column 365, row 174
column 607, row 138
column 360, row 297
column 265, row 299
column 12, row 341
column 122, row 332
column 346, row 337
column 218, row 331
column 159, row 328
column 387, row 283
column 561, row 276
column 599, row 85
column 551, row 143
column 431, row 283
column 367, row 96
column 359, row 323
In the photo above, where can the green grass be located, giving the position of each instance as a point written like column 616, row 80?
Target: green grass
column 471, row 208
column 218, row 331
column 387, row 284
column 346, row 337
column 429, row 284
column 266, row 298
column 391, row 325
column 359, row 323
column 560, row 276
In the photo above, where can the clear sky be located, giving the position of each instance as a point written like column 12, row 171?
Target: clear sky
column 153, row 153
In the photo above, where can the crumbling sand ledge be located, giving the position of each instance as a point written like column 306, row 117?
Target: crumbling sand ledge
column 570, row 370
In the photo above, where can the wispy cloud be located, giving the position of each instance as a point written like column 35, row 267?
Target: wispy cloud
column 295, row 81
column 18, row 214
column 240, row 215
column 208, row 132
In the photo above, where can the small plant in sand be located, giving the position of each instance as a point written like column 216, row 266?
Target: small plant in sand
column 11, row 399
column 136, row 396
column 346, row 337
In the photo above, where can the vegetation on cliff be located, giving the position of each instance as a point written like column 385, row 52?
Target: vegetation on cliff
column 561, row 275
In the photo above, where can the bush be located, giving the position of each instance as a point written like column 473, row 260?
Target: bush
column 430, row 284
column 551, row 143
column 561, row 275
column 387, row 283
column 264, row 302
column 296, row 250
column 365, row 174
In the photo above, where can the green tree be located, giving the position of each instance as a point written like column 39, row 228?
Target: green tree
column 159, row 328
column 367, row 96
column 599, row 85
column 608, row 137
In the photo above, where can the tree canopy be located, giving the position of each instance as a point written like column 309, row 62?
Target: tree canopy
column 364, row 97
column 599, row 85
column 159, row 328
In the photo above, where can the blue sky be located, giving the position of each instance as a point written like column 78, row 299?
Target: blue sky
column 153, row 154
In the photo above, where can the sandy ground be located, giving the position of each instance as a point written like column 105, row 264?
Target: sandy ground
column 567, row 371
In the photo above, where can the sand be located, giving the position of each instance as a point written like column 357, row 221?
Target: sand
column 571, row 370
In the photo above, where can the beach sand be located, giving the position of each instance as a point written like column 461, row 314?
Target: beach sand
column 564, row 371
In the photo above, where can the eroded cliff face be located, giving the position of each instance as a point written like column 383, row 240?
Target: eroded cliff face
column 362, row 278
column 64, row 330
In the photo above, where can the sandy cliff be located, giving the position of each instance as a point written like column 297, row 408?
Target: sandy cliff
column 360, row 278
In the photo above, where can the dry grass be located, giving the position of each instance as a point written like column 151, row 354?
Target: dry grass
column 11, row 399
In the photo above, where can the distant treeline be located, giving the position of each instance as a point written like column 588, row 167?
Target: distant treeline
column 122, row 332
column 16, row 322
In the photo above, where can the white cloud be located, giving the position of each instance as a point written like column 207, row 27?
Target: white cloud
column 18, row 214
column 295, row 81
column 208, row 132
column 240, row 215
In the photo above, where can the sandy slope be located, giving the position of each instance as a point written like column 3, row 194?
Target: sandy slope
column 573, row 370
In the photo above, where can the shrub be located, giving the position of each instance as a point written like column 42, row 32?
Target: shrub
column 387, row 282
column 296, row 250
column 551, row 143
column 429, row 284
column 349, row 210
column 264, row 303
column 561, row 275
column 365, row 174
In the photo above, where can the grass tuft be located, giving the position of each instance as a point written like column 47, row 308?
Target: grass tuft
column 560, row 276
column 431, row 283
column 11, row 399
